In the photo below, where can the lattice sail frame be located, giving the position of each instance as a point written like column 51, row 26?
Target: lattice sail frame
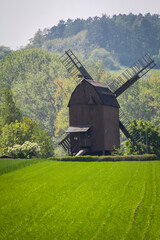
column 74, row 66
column 131, row 75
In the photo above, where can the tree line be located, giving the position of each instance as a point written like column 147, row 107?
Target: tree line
column 40, row 88
column 20, row 136
column 121, row 37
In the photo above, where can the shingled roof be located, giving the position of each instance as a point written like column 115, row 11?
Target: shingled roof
column 106, row 96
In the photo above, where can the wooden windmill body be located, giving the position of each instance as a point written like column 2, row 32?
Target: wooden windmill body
column 94, row 110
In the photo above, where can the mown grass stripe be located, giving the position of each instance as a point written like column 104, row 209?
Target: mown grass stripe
column 106, row 231
column 81, row 200
column 152, row 202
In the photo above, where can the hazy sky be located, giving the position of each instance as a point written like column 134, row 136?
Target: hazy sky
column 20, row 19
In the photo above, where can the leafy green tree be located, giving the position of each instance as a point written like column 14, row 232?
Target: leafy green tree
column 125, row 37
column 105, row 56
column 40, row 136
column 62, row 95
column 141, row 101
column 31, row 74
column 8, row 110
column 4, row 51
column 73, row 27
column 150, row 135
column 17, row 66
column 37, row 40
column 27, row 130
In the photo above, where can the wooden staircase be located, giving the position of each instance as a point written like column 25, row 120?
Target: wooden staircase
column 66, row 144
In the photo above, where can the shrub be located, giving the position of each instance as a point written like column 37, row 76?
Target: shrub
column 26, row 150
column 150, row 135
column 145, row 157
column 27, row 130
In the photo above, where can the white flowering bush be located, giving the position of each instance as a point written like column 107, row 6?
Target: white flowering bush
column 27, row 130
column 14, row 151
column 26, row 150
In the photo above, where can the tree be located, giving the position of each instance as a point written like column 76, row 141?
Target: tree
column 30, row 74
column 126, row 37
column 141, row 101
column 37, row 41
column 8, row 110
column 105, row 56
column 62, row 95
column 4, row 51
column 27, row 130
column 150, row 135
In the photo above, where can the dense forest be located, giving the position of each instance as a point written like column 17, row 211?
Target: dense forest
column 119, row 39
column 41, row 86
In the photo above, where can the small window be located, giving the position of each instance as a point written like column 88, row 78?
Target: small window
column 75, row 138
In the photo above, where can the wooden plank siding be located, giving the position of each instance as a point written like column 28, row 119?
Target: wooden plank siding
column 86, row 107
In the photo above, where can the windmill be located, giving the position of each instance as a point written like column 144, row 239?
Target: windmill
column 94, row 114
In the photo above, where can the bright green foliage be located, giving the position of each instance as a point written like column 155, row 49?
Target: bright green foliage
column 103, row 55
column 150, row 97
column 141, row 101
column 42, row 88
column 31, row 75
column 40, row 136
column 108, row 158
column 150, row 135
column 64, row 88
column 27, row 130
column 59, row 200
column 8, row 110
column 15, row 67
column 26, row 150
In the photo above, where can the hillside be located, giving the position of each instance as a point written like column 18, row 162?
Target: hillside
column 58, row 200
column 119, row 39
column 42, row 88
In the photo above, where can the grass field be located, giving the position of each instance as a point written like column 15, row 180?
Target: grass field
column 67, row 200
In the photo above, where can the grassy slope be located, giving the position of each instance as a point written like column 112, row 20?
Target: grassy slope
column 66, row 200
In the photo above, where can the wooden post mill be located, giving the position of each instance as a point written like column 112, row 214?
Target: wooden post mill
column 94, row 118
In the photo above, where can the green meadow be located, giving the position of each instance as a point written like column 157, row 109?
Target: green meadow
column 44, row 199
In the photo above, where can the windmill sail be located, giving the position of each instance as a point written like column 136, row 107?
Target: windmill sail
column 131, row 75
column 124, row 125
column 128, row 135
column 74, row 67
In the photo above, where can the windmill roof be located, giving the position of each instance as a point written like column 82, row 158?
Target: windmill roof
column 106, row 96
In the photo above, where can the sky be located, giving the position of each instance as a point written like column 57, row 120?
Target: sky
column 21, row 19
